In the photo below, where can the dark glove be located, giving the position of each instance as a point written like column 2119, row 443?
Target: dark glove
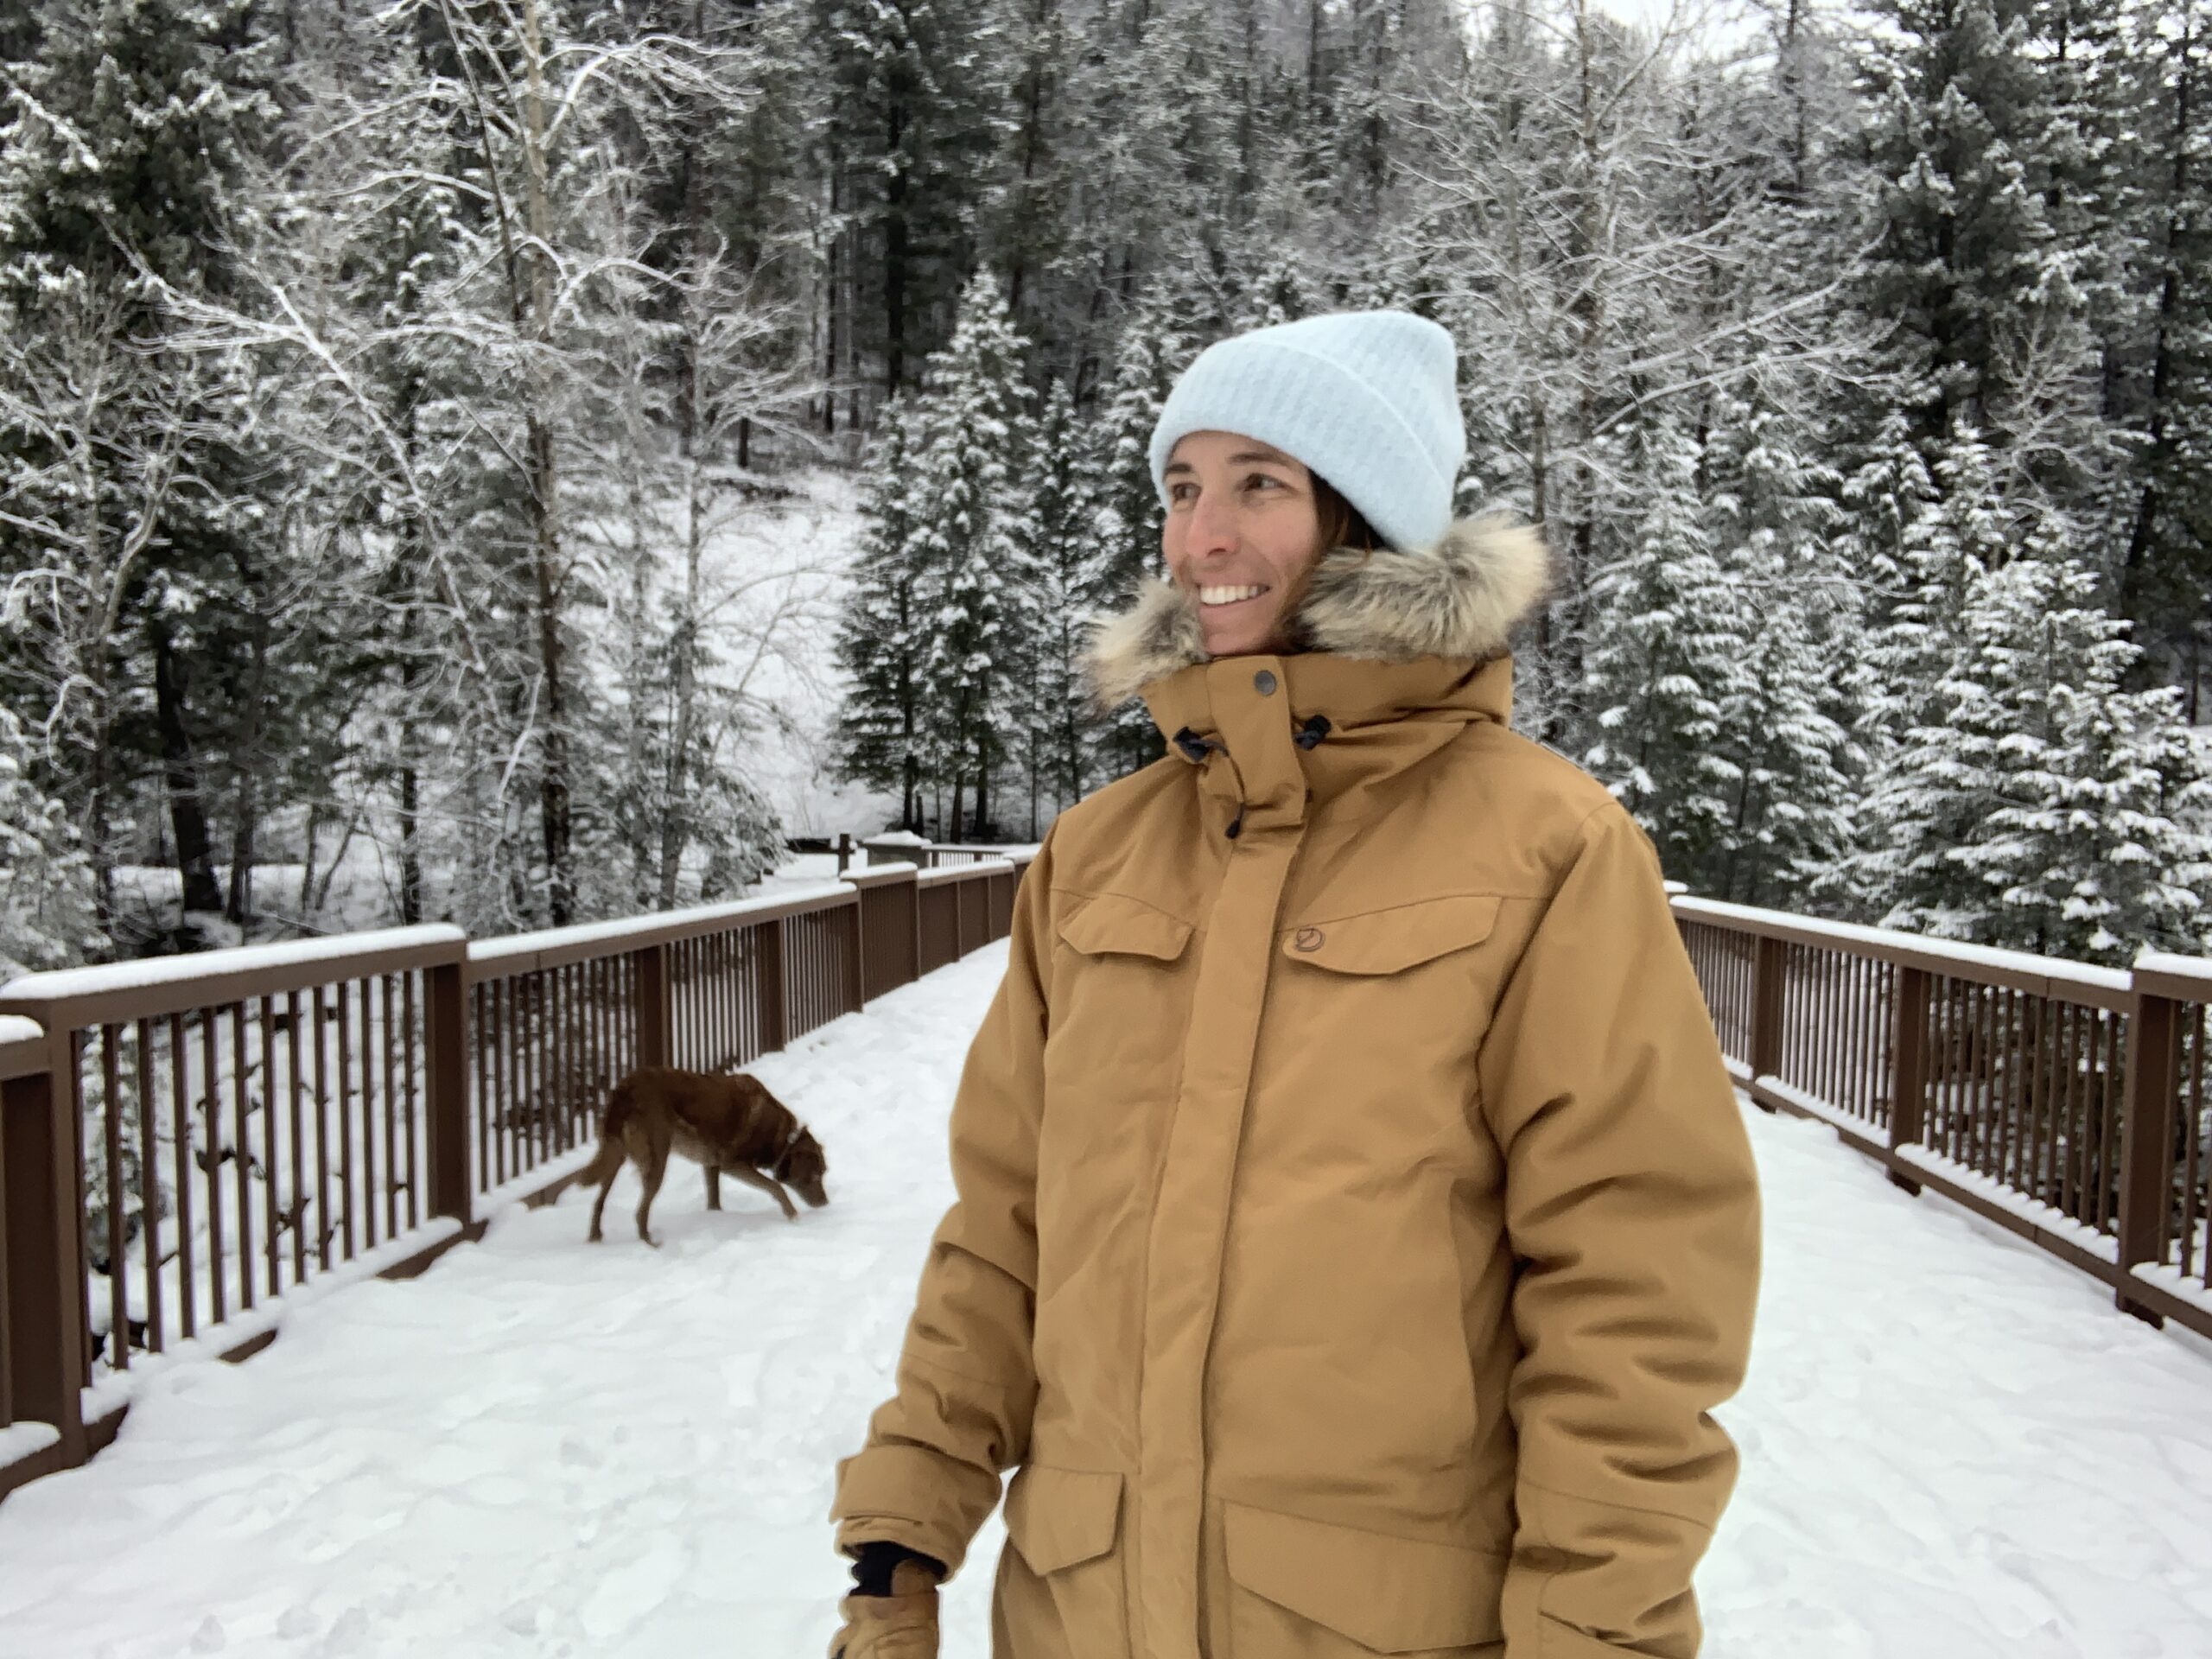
column 901, row 1624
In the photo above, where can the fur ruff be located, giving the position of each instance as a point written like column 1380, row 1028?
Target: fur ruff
column 1461, row 596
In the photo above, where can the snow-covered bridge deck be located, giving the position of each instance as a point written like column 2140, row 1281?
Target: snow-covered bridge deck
column 1954, row 1448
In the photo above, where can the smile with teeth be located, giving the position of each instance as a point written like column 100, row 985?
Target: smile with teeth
column 1229, row 595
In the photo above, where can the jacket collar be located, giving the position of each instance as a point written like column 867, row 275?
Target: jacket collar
column 1399, row 650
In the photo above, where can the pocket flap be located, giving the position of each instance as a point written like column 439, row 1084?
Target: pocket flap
column 1110, row 923
column 1057, row 1518
column 1393, row 1594
column 1385, row 941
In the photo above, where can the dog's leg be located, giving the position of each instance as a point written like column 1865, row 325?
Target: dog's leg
column 603, row 1169
column 768, row 1183
column 599, row 1209
column 655, row 1168
column 714, row 1187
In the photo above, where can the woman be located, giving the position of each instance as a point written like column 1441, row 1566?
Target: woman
column 1355, row 1224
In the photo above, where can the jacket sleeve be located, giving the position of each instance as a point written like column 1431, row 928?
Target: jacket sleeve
column 928, row 1472
column 1631, row 1203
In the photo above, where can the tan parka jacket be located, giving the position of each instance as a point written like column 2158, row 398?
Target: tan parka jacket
column 1355, row 1224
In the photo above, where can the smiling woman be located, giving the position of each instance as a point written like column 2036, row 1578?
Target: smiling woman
column 1355, row 1225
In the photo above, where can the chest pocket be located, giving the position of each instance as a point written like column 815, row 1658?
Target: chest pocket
column 1378, row 942
column 1118, row 1005
column 1108, row 925
column 1375, row 1020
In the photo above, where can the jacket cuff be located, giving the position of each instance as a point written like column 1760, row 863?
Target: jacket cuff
column 903, row 1495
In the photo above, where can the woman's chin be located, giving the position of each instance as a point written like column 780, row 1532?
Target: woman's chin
column 1236, row 637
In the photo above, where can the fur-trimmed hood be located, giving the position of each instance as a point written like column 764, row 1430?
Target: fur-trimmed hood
column 1459, row 597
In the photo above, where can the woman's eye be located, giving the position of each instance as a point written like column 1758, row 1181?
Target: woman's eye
column 1175, row 490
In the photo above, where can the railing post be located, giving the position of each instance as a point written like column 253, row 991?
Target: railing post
column 656, row 1010
column 42, row 1279
column 1908, row 1065
column 855, row 960
column 913, row 886
column 1770, row 963
column 775, row 1027
column 445, row 1020
column 2146, row 1137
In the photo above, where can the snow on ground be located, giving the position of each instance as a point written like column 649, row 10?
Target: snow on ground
column 1953, row 1447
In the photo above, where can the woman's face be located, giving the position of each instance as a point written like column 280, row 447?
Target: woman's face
column 1243, row 530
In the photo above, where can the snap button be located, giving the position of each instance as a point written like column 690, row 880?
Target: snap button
column 1308, row 939
column 1265, row 683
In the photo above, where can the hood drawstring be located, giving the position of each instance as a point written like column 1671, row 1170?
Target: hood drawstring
column 1195, row 749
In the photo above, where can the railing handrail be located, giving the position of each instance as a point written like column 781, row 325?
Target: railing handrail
column 150, row 987
column 72, row 998
column 22, row 1046
column 2162, row 973
column 2060, row 977
column 974, row 869
column 552, row 947
column 877, row 875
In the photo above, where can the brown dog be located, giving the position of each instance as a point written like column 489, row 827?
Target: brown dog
column 725, row 1123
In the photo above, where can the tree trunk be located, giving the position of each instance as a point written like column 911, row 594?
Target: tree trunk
column 411, row 835
column 240, row 906
column 895, row 256
column 676, row 823
column 196, row 851
column 553, row 782
column 306, row 857
column 240, row 909
column 2134, row 597
column 543, row 482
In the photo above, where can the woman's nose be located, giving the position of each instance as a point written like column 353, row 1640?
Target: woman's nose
column 1213, row 524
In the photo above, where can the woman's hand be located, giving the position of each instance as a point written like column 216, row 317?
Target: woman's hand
column 901, row 1626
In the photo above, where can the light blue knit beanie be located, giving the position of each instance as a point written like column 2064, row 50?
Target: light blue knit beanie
column 1367, row 400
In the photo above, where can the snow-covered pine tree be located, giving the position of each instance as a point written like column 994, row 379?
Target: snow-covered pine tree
column 903, row 124
column 1989, row 318
column 1923, row 801
column 2021, row 794
column 2091, row 846
column 973, row 541
column 49, row 914
column 1152, row 351
column 1668, row 650
column 1062, row 513
column 124, row 126
column 882, row 632
column 1780, row 723
column 2165, row 404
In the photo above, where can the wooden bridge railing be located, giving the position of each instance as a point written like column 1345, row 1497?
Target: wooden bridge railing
column 187, row 1142
column 2063, row 1102
column 266, row 1119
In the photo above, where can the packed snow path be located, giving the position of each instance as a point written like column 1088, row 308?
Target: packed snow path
column 1953, row 1448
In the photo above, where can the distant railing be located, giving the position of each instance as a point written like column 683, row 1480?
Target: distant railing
column 186, row 1140
column 934, row 855
column 2063, row 1102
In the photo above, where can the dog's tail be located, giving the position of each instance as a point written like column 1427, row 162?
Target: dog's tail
column 608, row 1164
